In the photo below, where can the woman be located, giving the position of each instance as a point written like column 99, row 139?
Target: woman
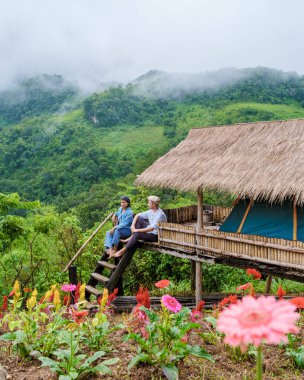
column 123, row 219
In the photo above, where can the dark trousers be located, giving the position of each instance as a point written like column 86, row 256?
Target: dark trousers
column 145, row 236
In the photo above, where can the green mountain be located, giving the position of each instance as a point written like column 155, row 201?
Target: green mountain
column 82, row 153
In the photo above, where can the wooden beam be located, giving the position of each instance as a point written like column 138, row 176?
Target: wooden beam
column 245, row 216
column 198, row 265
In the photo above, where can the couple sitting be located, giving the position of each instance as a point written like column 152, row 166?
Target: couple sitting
column 142, row 227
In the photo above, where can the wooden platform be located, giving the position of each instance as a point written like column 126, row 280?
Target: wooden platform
column 264, row 268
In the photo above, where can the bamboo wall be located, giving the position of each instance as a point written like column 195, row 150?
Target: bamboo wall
column 189, row 213
column 217, row 243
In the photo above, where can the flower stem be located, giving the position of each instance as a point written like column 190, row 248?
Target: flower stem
column 259, row 366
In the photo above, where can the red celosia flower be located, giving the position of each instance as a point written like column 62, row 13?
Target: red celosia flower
column 281, row 292
column 112, row 296
column 12, row 293
column 245, row 286
column 162, row 284
column 298, row 302
column 200, row 306
column 185, row 338
column 27, row 290
column 144, row 333
column 140, row 314
column 5, row 303
column 66, row 300
column 254, row 273
column 143, row 297
column 78, row 316
column 76, row 297
column 41, row 299
column 228, row 300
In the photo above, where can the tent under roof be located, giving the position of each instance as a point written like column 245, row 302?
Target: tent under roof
column 263, row 160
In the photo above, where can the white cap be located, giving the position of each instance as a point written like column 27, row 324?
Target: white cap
column 154, row 199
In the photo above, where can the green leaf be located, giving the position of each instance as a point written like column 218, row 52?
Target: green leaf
column 211, row 320
column 152, row 316
column 201, row 353
column 110, row 361
column 47, row 362
column 13, row 324
column 170, row 371
column 102, row 368
column 140, row 358
column 96, row 356
column 64, row 377
column 73, row 375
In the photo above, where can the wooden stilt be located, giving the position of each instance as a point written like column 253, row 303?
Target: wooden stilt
column 198, row 265
column 268, row 284
column 193, row 275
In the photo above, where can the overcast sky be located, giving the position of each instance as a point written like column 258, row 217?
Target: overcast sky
column 94, row 41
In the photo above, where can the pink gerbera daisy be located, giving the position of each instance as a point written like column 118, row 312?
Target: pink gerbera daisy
column 256, row 321
column 68, row 287
column 171, row 303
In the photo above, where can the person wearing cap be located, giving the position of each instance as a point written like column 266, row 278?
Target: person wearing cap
column 144, row 226
column 123, row 220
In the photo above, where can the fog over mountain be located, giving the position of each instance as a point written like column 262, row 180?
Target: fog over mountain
column 100, row 41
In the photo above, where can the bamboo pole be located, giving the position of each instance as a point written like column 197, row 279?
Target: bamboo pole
column 87, row 242
column 295, row 222
column 198, row 265
column 245, row 216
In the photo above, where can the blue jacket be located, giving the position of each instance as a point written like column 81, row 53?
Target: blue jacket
column 125, row 219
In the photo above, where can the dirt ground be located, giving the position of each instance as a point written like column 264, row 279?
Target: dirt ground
column 276, row 364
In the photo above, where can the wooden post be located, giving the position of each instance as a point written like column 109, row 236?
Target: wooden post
column 73, row 280
column 198, row 265
column 268, row 284
column 193, row 266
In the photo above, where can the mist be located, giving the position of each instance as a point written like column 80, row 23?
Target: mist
column 98, row 42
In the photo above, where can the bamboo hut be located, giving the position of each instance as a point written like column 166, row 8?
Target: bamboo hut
column 260, row 163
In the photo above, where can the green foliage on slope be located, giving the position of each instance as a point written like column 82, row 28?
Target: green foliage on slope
column 83, row 158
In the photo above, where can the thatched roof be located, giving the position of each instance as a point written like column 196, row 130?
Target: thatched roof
column 259, row 160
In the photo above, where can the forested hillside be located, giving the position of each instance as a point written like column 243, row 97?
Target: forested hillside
column 80, row 154
column 65, row 157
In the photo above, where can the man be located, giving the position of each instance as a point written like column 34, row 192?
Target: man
column 144, row 226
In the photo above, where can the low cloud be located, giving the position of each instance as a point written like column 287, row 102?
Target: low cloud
column 100, row 41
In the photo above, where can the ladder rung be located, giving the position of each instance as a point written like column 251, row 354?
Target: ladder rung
column 105, row 264
column 92, row 290
column 100, row 278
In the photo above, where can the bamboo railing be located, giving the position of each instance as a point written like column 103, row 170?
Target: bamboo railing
column 216, row 243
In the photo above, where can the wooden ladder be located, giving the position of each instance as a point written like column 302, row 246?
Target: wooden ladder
column 111, row 282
